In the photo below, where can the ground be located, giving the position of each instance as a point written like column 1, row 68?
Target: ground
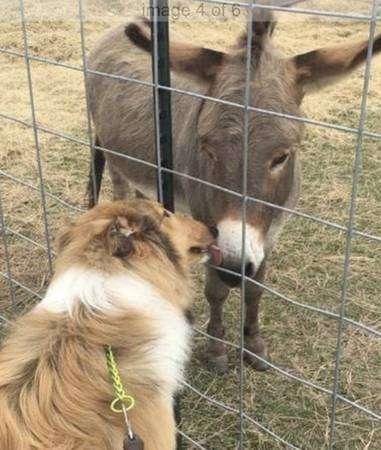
column 306, row 266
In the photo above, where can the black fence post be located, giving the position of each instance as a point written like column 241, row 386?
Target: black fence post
column 163, row 124
column 162, row 98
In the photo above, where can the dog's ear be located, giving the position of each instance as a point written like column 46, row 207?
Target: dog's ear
column 148, row 224
column 130, row 236
column 121, row 234
column 64, row 239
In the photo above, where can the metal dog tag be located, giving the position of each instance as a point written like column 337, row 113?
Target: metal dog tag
column 133, row 444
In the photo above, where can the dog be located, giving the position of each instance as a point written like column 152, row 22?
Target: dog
column 122, row 279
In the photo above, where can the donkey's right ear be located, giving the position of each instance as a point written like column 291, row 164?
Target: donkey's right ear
column 202, row 63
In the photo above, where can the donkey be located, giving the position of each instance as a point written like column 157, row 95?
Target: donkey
column 208, row 142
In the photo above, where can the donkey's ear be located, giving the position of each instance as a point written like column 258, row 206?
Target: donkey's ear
column 200, row 62
column 263, row 25
column 320, row 67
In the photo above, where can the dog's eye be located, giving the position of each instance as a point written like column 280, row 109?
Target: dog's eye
column 197, row 250
column 167, row 213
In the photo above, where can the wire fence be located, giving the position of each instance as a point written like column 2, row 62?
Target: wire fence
column 349, row 228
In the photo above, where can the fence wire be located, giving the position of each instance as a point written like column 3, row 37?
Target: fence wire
column 348, row 228
column 351, row 221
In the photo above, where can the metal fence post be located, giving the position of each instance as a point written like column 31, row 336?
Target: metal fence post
column 161, row 76
column 162, row 101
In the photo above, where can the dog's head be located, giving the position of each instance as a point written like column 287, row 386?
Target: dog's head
column 133, row 231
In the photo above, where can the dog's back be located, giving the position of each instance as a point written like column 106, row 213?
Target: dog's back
column 42, row 394
column 55, row 391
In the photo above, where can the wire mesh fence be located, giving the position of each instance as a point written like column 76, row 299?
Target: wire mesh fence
column 349, row 229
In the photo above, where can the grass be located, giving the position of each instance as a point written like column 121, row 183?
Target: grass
column 306, row 265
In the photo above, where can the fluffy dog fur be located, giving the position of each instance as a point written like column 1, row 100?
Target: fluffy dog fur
column 122, row 279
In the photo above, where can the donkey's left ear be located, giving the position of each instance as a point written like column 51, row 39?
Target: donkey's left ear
column 202, row 63
column 320, row 67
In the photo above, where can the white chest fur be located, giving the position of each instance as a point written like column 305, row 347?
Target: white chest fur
column 167, row 356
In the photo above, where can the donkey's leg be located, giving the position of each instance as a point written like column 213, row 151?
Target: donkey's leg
column 253, row 339
column 140, row 195
column 97, row 165
column 216, row 293
column 121, row 186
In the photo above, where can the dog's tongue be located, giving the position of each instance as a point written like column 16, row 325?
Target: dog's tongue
column 215, row 255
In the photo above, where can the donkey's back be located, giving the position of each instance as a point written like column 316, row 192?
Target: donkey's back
column 123, row 113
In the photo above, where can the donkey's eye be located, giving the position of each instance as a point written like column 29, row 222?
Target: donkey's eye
column 279, row 161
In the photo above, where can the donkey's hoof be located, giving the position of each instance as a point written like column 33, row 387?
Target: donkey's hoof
column 257, row 346
column 218, row 363
column 257, row 364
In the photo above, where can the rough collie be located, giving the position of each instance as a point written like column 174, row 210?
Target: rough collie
column 121, row 280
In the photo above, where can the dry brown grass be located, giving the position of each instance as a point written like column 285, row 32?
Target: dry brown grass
column 308, row 261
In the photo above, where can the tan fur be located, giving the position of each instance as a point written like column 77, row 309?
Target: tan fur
column 55, row 391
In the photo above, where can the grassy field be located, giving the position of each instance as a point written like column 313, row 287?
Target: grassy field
column 306, row 266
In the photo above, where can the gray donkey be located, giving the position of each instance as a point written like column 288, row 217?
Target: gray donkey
column 208, row 142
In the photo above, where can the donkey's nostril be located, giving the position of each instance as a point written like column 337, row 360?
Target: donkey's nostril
column 214, row 231
column 249, row 269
